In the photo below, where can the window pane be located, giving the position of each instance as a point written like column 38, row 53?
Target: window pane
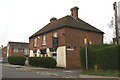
column 15, row 50
column 21, row 50
column 35, row 42
column 44, row 42
column 55, row 34
column 55, row 42
column 43, row 37
column 4, row 52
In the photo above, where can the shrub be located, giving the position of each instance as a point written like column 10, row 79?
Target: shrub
column 17, row 60
column 46, row 62
column 105, row 56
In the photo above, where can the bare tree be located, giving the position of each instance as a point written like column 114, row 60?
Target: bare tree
column 119, row 26
column 111, row 24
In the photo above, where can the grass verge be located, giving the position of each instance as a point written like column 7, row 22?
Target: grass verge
column 101, row 73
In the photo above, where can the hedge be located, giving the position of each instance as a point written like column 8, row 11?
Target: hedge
column 46, row 62
column 105, row 56
column 17, row 60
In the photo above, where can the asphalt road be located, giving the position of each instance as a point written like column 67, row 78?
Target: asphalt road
column 9, row 72
column 30, row 73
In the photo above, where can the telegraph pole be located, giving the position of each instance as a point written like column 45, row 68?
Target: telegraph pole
column 116, row 22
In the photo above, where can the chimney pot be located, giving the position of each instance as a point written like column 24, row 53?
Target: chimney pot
column 1, row 46
column 53, row 19
column 74, row 12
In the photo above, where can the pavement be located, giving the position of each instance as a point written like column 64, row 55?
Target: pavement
column 54, row 69
column 27, row 67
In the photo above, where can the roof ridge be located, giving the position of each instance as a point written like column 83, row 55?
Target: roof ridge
column 89, row 24
column 64, row 17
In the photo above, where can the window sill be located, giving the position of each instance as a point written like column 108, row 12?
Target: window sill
column 43, row 44
column 55, row 37
column 35, row 47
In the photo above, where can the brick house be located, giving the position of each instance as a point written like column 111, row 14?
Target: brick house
column 3, row 52
column 17, row 49
column 62, row 39
column 0, row 52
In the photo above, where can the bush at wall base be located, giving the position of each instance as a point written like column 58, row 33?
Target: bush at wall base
column 17, row 60
column 46, row 62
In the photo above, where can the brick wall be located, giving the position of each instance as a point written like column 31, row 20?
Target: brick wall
column 31, row 43
column 61, row 37
column 4, row 55
column 75, row 39
column 49, row 37
column 19, row 53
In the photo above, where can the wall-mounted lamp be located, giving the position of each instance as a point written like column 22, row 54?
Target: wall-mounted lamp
column 68, row 47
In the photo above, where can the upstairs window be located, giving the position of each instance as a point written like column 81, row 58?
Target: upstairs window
column 44, row 40
column 35, row 42
column 38, row 41
column 55, row 35
column 15, row 49
column 38, row 37
column 55, row 42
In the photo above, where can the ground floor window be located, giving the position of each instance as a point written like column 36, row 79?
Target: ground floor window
column 43, row 51
column 15, row 49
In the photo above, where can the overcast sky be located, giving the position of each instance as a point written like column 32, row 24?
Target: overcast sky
column 19, row 19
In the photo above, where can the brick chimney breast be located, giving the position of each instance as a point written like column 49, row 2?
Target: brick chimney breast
column 74, row 12
column 53, row 19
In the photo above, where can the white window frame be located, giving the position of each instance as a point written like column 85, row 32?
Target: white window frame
column 55, row 34
column 15, row 49
column 38, row 37
column 35, row 42
column 44, row 40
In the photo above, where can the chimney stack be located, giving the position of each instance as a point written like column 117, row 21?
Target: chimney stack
column 53, row 19
column 74, row 12
column 1, row 46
